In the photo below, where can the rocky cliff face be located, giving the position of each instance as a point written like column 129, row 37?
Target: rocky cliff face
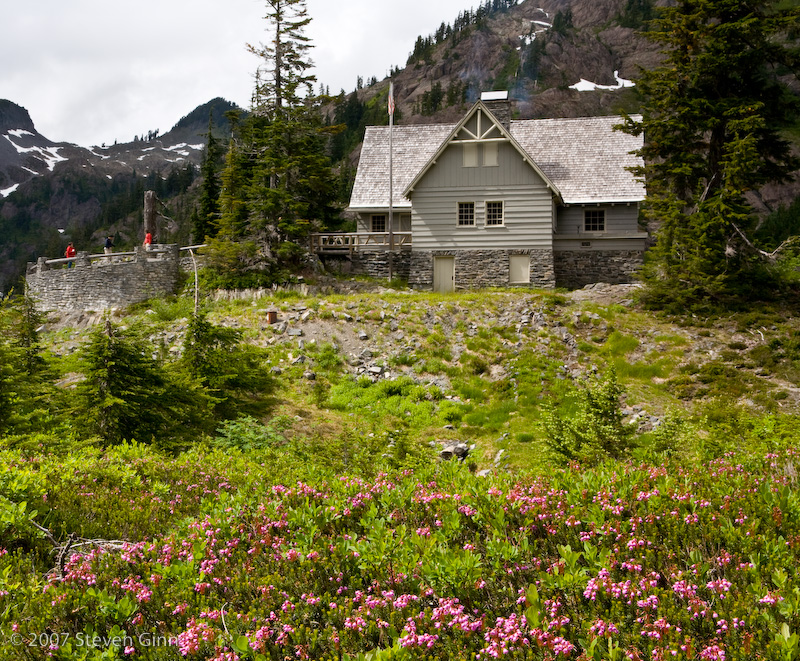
column 24, row 153
column 537, row 50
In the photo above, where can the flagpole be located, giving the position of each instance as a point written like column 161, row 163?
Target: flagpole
column 391, row 179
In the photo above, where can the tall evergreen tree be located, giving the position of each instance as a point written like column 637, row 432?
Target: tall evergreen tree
column 278, row 184
column 284, row 59
column 206, row 222
column 712, row 115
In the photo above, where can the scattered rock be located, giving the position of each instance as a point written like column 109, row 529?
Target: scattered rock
column 457, row 450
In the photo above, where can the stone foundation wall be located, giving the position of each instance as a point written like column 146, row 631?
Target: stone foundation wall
column 482, row 268
column 373, row 263
column 105, row 282
column 577, row 268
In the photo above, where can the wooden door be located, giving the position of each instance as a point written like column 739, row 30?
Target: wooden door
column 444, row 274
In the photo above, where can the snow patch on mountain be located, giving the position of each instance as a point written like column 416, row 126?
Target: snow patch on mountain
column 588, row 86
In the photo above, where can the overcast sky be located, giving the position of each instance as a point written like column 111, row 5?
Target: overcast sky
column 93, row 71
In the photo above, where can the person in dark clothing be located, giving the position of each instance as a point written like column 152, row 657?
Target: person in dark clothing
column 108, row 246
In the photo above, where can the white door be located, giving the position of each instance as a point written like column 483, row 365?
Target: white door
column 444, row 274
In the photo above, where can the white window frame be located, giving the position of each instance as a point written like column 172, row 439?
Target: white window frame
column 495, row 222
column 461, row 216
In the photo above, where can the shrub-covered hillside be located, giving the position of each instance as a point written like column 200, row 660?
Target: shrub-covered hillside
column 386, row 474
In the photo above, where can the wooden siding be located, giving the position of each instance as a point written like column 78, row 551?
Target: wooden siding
column 597, row 243
column 620, row 219
column 526, row 200
column 402, row 221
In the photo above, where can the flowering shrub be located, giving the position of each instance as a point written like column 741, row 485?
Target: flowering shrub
column 622, row 561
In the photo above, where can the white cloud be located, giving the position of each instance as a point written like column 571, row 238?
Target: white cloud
column 91, row 71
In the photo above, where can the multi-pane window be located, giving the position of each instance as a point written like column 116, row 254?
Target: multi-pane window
column 379, row 223
column 494, row 213
column 594, row 220
column 466, row 213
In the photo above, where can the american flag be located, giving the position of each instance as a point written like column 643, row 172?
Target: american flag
column 391, row 99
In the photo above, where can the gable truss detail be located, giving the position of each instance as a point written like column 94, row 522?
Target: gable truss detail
column 490, row 132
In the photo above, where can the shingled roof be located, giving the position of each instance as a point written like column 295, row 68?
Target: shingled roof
column 583, row 157
column 412, row 147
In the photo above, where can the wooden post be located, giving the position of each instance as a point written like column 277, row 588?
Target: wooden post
column 150, row 213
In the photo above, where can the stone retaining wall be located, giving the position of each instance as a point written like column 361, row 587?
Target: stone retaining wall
column 578, row 268
column 101, row 283
column 374, row 263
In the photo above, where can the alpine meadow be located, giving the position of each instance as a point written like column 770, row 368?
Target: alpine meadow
column 290, row 459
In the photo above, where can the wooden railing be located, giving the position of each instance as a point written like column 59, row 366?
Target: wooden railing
column 346, row 242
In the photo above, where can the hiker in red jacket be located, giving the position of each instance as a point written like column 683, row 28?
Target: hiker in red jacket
column 69, row 253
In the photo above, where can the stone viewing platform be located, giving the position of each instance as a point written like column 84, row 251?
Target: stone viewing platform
column 101, row 282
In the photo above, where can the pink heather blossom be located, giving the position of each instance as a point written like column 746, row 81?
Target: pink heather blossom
column 713, row 653
column 190, row 640
column 602, row 629
column 770, row 599
column 720, row 587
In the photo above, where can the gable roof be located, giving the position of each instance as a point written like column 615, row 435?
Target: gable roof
column 497, row 127
column 583, row 158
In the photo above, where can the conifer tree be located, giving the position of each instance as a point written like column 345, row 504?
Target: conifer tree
column 231, row 372
column 711, row 119
column 278, row 184
column 127, row 396
column 206, row 222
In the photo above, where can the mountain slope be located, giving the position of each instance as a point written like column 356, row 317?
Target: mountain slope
column 54, row 192
column 535, row 49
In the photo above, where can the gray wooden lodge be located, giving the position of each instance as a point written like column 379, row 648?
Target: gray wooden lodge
column 491, row 201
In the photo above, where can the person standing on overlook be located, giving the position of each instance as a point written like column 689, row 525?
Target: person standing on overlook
column 69, row 253
column 108, row 246
column 148, row 241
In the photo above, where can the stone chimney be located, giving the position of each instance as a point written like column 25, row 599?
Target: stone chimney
column 499, row 105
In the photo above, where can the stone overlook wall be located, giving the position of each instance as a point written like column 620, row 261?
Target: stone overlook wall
column 98, row 282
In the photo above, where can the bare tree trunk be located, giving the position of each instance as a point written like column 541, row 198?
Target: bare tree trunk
column 150, row 213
